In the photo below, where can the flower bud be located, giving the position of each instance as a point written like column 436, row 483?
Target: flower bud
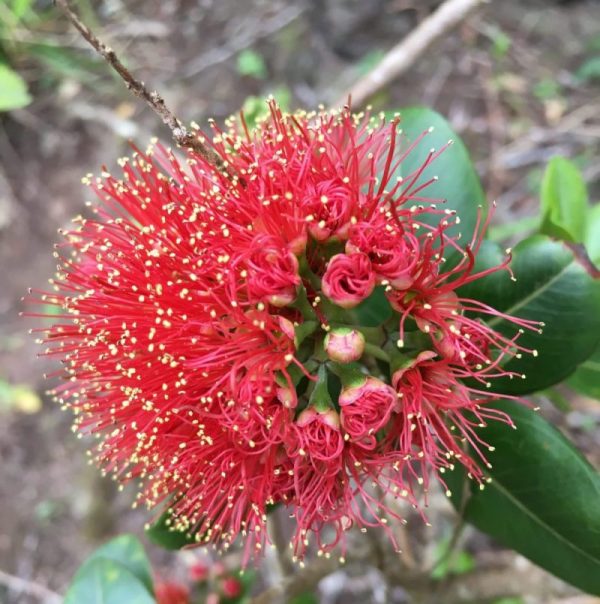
column 344, row 344
column 348, row 279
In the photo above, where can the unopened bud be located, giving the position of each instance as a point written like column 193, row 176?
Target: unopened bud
column 344, row 344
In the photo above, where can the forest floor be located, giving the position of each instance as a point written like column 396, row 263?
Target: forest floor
column 517, row 82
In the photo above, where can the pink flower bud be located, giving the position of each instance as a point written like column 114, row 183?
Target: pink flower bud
column 348, row 279
column 365, row 409
column 344, row 344
column 287, row 397
column 287, row 327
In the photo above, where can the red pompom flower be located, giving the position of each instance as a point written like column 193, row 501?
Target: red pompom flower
column 195, row 303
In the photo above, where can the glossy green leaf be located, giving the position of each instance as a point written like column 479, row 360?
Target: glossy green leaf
column 13, row 90
column 586, row 380
column 564, row 201
column 106, row 581
column 458, row 182
column 554, row 284
column 129, row 552
column 542, row 500
column 163, row 534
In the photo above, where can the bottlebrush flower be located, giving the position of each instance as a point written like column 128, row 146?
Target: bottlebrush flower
column 193, row 307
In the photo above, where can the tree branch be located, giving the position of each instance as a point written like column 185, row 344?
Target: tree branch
column 402, row 56
column 22, row 586
column 153, row 99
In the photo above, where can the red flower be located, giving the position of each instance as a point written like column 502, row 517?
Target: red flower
column 393, row 251
column 231, row 587
column 349, row 279
column 192, row 305
column 199, row 571
column 271, row 272
column 171, row 593
column 365, row 409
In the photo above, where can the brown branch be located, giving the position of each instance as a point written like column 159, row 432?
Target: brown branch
column 403, row 55
column 182, row 136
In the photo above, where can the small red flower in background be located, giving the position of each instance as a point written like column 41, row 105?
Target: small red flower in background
column 231, row 587
column 171, row 593
column 194, row 303
column 199, row 572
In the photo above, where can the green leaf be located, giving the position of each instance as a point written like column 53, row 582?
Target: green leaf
column 564, row 201
column 250, row 63
column 586, row 380
column 129, row 552
column 592, row 236
column 106, row 581
column 589, row 70
column 502, row 232
column 163, row 534
column 13, row 90
column 373, row 311
column 555, row 285
column 458, row 182
column 542, row 500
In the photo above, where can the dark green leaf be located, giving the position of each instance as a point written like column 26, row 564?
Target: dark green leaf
column 128, row 551
column 373, row 311
column 586, row 379
column 458, row 182
column 105, row 581
column 163, row 533
column 555, row 285
column 564, row 201
column 542, row 500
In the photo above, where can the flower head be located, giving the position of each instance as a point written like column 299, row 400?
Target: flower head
column 195, row 307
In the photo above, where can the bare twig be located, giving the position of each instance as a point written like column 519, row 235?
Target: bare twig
column 256, row 31
column 404, row 54
column 182, row 136
column 23, row 586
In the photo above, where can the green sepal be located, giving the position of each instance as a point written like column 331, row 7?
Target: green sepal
column 350, row 374
column 320, row 399
column 302, row 331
